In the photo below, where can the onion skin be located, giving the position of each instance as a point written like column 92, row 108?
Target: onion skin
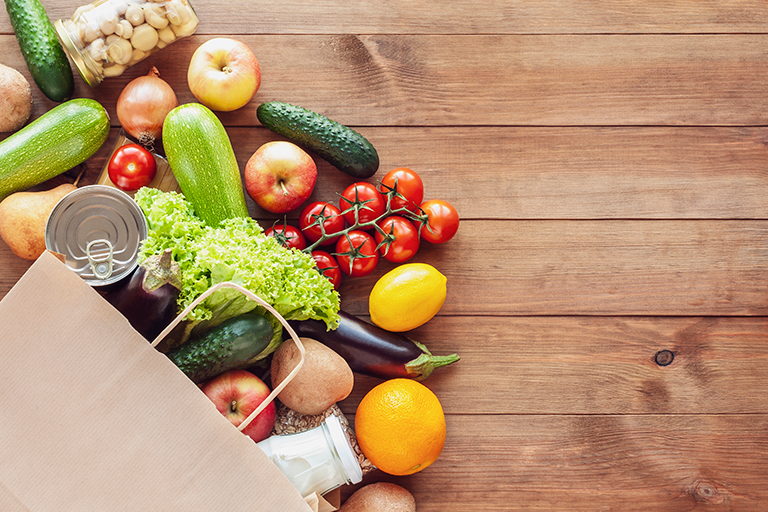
column 149, row 298
column 143, row 105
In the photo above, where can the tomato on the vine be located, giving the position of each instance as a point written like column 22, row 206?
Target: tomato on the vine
column 401, row 242
column 407, row 186
column 356, row 253
column 131, row 167
column 443, row 221
column 288, row 236
column 317, row 213
column 366, row 199
column 328, row 266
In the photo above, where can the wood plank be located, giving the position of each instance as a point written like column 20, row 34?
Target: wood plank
column 466, row 16
column 556, row 172
column 666, row 268
column 586, row 463
column 568, row 172
column 594, row 365
column 383, row 80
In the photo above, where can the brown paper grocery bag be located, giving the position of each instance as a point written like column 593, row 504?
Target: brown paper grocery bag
column 93, row 418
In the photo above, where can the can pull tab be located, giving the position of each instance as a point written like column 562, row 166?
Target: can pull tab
column 102, row 268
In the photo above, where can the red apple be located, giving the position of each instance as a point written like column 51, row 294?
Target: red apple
column 223, row 74
column 280, row 176
column 236, row 394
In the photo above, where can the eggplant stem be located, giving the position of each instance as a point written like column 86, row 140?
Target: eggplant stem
column 161, row 270
column 423, row 366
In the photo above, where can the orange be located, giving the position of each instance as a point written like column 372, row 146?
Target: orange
column 400, row 426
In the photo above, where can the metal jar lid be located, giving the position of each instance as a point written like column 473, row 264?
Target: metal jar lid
column 82, row 60
column 98, row 229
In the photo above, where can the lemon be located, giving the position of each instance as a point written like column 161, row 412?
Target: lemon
column 407, row 297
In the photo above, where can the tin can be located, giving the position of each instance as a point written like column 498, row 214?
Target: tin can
column 98, row 229
column 106, row 37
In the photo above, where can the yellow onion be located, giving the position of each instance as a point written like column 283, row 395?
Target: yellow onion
column 143, row 105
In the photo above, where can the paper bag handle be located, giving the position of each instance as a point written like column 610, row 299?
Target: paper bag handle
column 269, row 308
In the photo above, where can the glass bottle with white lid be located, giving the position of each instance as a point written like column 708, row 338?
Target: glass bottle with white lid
column 106, row 37
column 316, row 460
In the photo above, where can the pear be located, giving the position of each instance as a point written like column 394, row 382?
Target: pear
column 23, row 216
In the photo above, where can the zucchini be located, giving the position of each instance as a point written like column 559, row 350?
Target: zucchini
column 201, row 158
column 340, row 145
column 41, row 49
column 231, row 344
column 57, row 141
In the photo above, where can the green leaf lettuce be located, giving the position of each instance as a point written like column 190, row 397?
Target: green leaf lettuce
column 237, row 251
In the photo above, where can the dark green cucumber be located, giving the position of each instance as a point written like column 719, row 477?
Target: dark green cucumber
column 55, row 142
column 232, row 344
column 40, row 47
column 340, row 145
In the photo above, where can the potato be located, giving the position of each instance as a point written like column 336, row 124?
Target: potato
column 380, row 496
column 324, row 379
column 15, row 99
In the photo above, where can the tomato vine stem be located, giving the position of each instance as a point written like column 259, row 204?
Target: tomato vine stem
column 356, row 206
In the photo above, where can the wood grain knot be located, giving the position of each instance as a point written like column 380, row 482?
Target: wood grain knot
column 664, row 357
column 705, row 491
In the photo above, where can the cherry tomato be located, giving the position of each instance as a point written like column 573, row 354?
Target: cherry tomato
column 318, row 213
column 132, row 167
column 368, row 201
column 288, row 236
column 356, row 253
column 443, row 221
column 408, row 187
column 328, row 266
column 402, row 236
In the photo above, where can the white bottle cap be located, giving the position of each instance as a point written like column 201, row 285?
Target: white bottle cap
column 344, row 449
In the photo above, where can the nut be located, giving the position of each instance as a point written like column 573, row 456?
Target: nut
column 144, row 38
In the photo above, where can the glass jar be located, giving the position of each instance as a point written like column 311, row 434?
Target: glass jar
column 106, row 37
column 316, row 460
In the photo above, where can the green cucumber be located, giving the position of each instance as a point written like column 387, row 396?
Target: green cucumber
column 57, row 141
column 339, row 145
column 41, row 49
column 201, row 157
column 232, row 344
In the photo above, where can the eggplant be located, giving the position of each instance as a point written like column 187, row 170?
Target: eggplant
column 373, row 351
column 149, row 298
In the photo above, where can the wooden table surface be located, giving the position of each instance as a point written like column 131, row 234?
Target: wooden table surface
column 608, row 160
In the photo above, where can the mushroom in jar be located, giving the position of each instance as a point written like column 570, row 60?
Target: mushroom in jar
column 144, row 37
